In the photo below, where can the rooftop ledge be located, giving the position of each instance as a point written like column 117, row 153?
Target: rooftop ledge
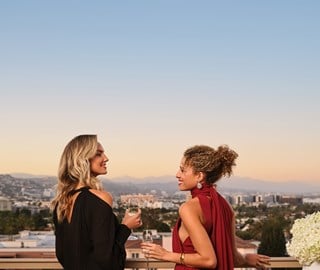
column 52, row 263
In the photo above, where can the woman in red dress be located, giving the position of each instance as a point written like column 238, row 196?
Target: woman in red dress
column 204, row 235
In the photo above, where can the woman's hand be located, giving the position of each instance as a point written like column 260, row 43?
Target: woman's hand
column 132, row 221
column 151, row 250
column 257, row 260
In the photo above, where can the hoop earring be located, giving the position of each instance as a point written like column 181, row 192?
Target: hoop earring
column 199, row 185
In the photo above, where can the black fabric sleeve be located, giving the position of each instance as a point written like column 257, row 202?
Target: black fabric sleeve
column 58, row 232
column 107, row 236
column 123, row 233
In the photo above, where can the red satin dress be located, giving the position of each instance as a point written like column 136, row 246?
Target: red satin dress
column 218, row 221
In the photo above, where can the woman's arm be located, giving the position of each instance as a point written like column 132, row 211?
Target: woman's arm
column 204, row 257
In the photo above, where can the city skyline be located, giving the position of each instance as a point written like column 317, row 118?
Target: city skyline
column 154, row 78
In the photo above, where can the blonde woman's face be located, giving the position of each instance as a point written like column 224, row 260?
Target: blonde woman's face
column 98, row 164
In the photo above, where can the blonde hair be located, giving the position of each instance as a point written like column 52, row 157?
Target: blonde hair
column 74, row 169
column 213, row 163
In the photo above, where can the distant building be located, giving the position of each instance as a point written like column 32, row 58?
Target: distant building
column 257, row 198
column 30, row 239
column 141, row 200
column 48, row 193
column 271, row 199
column 241, row 199
column 290, row 199
column 311, row 200
column 5, row 204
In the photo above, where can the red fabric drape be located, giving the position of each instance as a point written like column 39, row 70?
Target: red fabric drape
column 218, row 216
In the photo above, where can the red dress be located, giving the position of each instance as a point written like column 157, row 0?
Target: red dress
column 218, row 224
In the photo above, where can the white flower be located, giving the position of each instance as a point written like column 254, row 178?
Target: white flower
column 305, row 242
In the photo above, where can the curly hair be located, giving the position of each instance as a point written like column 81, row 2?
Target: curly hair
column 213, row 163
column 74, row 169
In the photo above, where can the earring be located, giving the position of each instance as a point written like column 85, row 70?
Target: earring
column 199, row 185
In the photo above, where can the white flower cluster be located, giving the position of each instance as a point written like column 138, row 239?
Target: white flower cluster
column 305, row 242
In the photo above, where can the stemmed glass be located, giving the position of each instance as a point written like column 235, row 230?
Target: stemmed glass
column 147, row 238
column 133, row 210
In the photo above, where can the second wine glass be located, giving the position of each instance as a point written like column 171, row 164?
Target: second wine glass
column 147, row 238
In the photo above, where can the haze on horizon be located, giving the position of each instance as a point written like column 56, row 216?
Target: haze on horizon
column 153, row 78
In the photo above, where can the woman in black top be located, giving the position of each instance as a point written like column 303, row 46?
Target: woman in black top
column 88, row 234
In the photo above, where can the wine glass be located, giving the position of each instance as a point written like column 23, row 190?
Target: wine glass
column 133, row 210
column 147, row 238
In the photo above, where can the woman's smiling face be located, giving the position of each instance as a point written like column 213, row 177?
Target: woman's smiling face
column 187, row 179
column 98, row 164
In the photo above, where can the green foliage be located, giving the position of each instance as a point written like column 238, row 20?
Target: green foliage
column 307, row 208
column 160, row 219
column 13, row 222
column 273, row 242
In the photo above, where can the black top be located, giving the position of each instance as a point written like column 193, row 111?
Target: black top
column 94, row 239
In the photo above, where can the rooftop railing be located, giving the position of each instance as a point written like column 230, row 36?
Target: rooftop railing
column 53, row 264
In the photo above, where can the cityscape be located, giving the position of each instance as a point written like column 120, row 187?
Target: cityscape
column 33, row 196
column 26, row 228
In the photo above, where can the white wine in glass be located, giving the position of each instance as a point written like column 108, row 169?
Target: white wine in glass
column 133, row 210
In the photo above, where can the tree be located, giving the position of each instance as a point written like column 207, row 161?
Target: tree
column 273, row 241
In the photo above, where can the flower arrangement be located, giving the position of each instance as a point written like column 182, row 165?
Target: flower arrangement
column 305, row 242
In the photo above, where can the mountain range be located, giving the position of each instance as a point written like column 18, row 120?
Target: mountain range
column 232, row 184
column 169, row 184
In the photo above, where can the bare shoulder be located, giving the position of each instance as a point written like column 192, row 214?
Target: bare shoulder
column 191, row 207
column 103, row 195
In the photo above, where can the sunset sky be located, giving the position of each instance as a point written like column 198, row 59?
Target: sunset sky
column 153, row 78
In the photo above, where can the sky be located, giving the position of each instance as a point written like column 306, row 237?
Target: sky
column 152, row 78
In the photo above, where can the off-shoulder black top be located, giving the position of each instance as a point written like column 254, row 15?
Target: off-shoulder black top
column 94, row 239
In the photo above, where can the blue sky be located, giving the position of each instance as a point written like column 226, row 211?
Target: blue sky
column 152, row 78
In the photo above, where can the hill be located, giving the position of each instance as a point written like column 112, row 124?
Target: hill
column 168, row 184
column 233, row 184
